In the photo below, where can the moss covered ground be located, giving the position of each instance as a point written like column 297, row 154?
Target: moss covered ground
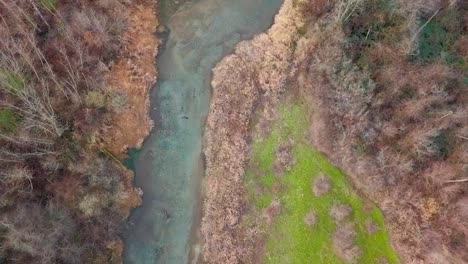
column 288, row 238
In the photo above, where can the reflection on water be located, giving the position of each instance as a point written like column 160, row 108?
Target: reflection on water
column 168, row 168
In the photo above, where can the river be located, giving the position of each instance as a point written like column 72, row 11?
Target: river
column 169, row 167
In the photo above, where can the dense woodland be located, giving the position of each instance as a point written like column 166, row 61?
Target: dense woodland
column 390, row 85
column 63, row 196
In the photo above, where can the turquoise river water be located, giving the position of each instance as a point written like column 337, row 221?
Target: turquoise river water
column 169, row 167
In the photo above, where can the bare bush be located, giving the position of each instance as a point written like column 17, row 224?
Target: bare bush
column 339, row 212
column 321, row 185
column 43, row 233
column 344, row 9
column 16, row 175
column 272, row 210
column 344, row 240
column 434, row 144
column 284, row 159
column 310, row 218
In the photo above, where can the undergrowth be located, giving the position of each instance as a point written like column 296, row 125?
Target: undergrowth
column 438, row 37
column 374, row 21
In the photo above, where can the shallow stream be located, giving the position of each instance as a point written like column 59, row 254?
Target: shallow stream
column 169, row 167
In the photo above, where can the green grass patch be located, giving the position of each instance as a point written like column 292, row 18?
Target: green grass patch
column 11, row 81
column 49, row 4
column 8, row 120
column 289, row 239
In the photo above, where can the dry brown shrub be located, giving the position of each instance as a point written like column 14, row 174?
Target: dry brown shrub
column 340, row 212
column 57, row 57
column 371, row 227
column 312, row 8
column 272, row 210
column 321, row 185
column 440, row 172
column 46, row 234
column 284, row 159
column 462, row 46
column 310, row 218
column 462, row 207
column 344, row 243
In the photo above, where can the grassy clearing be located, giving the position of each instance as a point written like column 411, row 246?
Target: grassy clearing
column 289, row 238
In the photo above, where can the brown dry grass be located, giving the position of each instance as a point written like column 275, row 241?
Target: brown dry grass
column 134, row 74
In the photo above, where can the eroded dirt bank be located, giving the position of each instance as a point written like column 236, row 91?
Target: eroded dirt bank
column 398, row 133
